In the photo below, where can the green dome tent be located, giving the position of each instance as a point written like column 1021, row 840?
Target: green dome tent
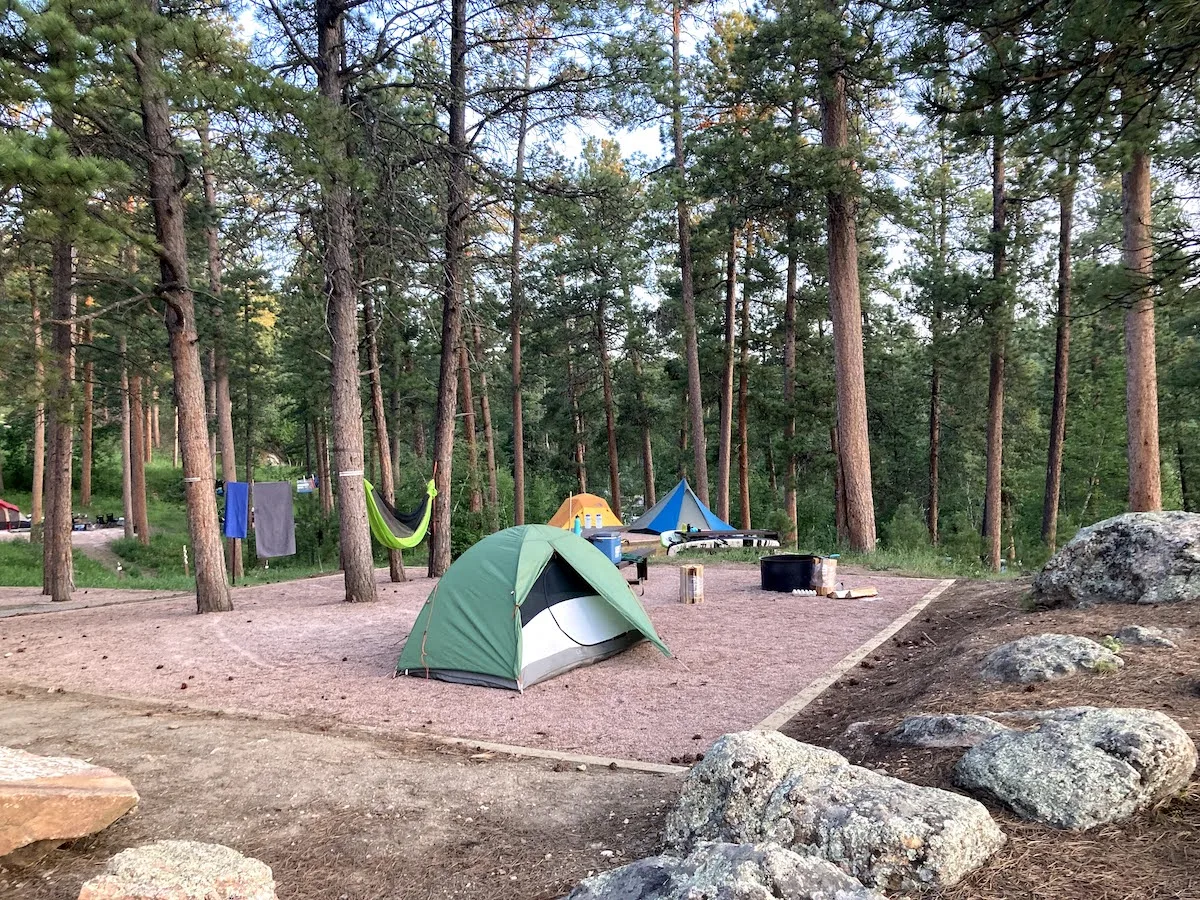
column 523, row 605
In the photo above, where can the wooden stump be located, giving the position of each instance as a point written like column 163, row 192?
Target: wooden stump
column 691, row 584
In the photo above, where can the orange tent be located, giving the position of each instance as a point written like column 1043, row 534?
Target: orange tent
column 592, row 511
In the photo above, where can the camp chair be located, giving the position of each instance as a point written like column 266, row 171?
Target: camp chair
column 397, row 530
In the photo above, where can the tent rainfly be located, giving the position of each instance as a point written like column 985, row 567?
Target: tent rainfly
column 523, row 605
column 9, row 515
column 680, row 510
column 592, row 512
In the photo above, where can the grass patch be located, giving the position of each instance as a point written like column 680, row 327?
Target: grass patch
column 21, row 566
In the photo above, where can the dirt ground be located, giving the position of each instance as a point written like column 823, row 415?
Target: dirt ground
column 296, row 649
column 337, row 816
column 346, row 815
column 930, row 667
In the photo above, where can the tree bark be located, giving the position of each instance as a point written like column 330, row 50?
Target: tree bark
column 647, row 433
column 577, row 428
column 155, row 414
column 137, row 462
column 992, row 510
column 342, row 314
column 789, row 384
column 517, row 301
column 387, row 483
column 846, row 315
column 212, row 592
column 936, row 325
column 457, row 212
column 324, row 483
column 86, row 425
column 687, row 290
column 725, row 429
column 1141, row 376
column 58, row 574
column 126, row 450
column 223, row 404
column 610, row 412
column 148, row 424
column 489, row 435
column 839, row 488
column 468, row 418
column 744, row 394
column 1062, row 352
column 36, row 511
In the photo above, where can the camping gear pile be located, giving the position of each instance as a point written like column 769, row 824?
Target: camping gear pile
column 523, row 605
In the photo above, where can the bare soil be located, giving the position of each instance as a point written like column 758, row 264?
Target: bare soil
column 337, row 816
column 296, row 649
column 341, row 814
column 931, row 666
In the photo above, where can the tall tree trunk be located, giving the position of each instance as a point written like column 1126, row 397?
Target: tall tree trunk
column 935, row 429
column 415, row 411
column 744, row 393
column 387, row 483
column 58, row 574
column 1062, row 352
column 126, row 449
column 489, row 435
column 1141, row 376
column 457, row 211
column 998, row 317
column 155, row 415
column 342, row 314
column 936, row 326
column 647, row 432
column 577, row 428
column 468, row 418
column 725, row 429
column 1185, row 486
column 148, row 424
column 210, row 407
column 789, row 383
column 222, row 402
column 610, row 412
column 846, row 314
column 175, row 433
column 137, row 462
column 839, row 489
column 86, row 426
column 517, row 302
column 394, row 407
column 36, row 510
column 687, row 290
column 324, row 483
column 212, row 592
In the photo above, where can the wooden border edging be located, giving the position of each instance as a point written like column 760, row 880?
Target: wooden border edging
column 793, row 707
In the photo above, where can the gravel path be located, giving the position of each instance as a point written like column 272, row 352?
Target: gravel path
column 295, row 648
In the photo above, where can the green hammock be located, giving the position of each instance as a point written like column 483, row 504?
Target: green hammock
column 396, row 530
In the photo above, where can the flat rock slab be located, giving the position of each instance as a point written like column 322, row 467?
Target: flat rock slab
column 1148, row 636
column 728, row 872
column 182, row 870
column 1132, row 558
column 45, row 800
column 940, row 731
column 1044, row 657
column 1083, row 766
column 755, row 787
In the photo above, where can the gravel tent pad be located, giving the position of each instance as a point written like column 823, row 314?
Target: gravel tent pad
column 295, row 649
